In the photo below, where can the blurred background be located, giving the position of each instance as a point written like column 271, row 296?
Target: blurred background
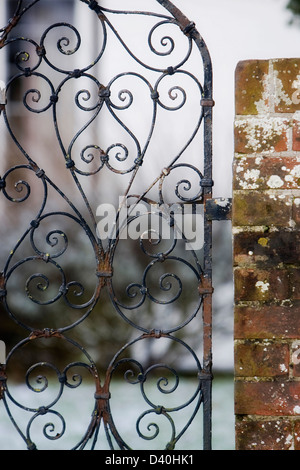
column 233, row 30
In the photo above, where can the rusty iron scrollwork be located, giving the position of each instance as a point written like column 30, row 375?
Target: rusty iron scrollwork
column 172, row 297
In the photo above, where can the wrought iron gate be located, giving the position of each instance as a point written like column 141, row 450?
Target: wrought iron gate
column 98, row 278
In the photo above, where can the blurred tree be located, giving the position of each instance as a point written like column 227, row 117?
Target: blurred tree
column 294, row 7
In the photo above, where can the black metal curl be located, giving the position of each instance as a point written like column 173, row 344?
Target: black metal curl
column 49, row 427
column 184, row 185
column 42, row 384
column 22, row 185
column 165, row 41
column 25, row 56
column 63, row 42
column 136, row 375
column 154, row 426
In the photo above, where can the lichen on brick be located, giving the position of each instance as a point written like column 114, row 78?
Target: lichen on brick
column 250, row 178
column 266, row 193
column 293, row 176
column 286, row 84
column 263, row 241
column 281, row 96
column 263, row 286
column 262, row 105
column 275, row 182
column 257, row 135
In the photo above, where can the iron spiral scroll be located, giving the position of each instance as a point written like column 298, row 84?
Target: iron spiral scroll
column 150, row 309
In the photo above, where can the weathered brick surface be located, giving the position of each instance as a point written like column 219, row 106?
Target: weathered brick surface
column 258, row 135
column 297, row 434
column 261, row 285
column 295, row 359
column 260, row 321
column 262, row 359
column 265, row 248
column 266, row 254
column 250, row 86
column 296, row 133
column 264, row 434
column 296, row 211
column 267, row 398
column 266, row 172
column 294, row 274
column 262, row 208
column 286, row 85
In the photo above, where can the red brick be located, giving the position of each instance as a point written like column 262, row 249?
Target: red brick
column 264, row 434
column 266, row 248
column 267, row 266
column 296, row 211
column 261, row 359
column 296, row 135
column 294, row 275
column 286, row 73
column 265, row 172
column 249, row 86
column 267, row 398
column 261, row 135
column 295, row 362
column 267, row 321
column 259, row 208
column 261, row 285
column 297, row 434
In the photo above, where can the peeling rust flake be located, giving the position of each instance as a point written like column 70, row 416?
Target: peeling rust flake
column 46, row 333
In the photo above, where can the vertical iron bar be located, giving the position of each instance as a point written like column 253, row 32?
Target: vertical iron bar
column 207, row 300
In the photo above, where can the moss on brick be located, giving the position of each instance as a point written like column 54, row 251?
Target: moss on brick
column 256, row 208
column 256, row 358
column 250, row 86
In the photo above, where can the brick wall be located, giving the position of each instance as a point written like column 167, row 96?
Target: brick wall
column 266, row 239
